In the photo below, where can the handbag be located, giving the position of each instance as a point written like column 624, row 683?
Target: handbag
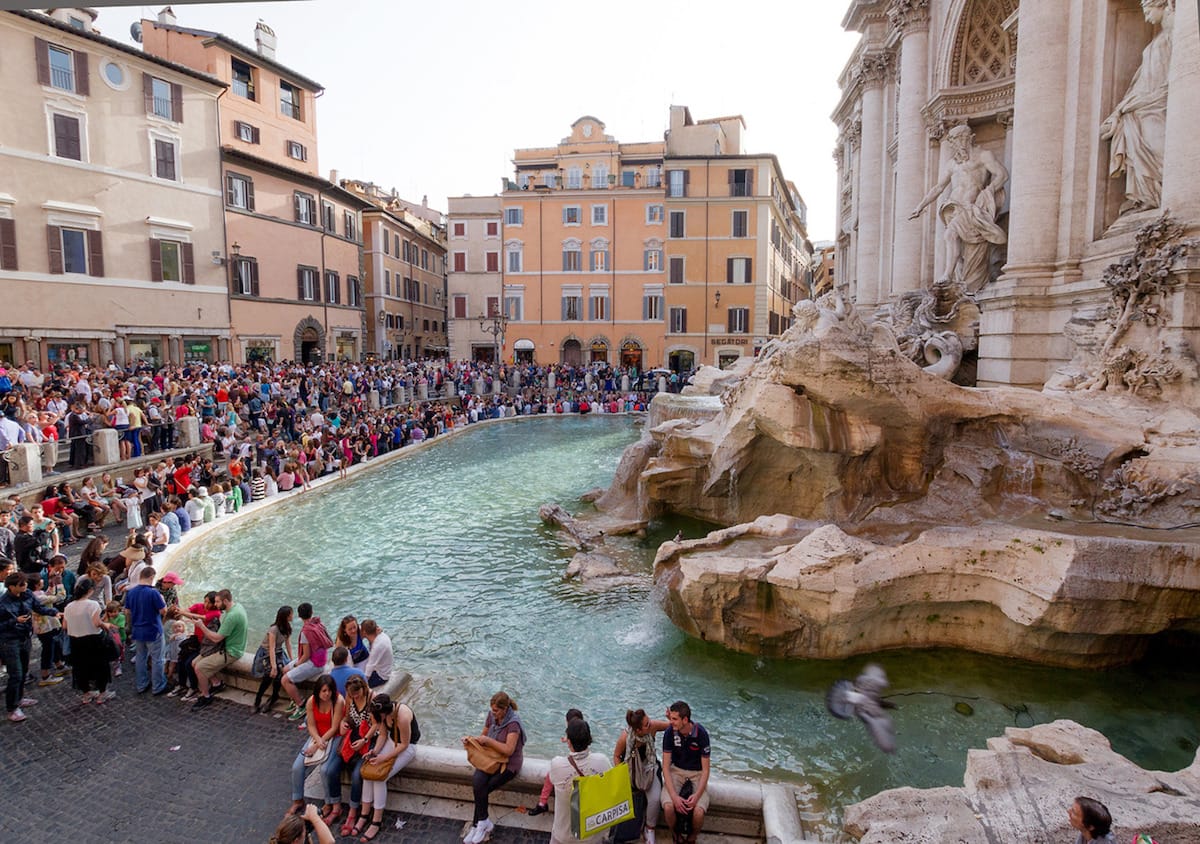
column 483, row 758
column 109, row 646
column 600, row 800
column 318, row 756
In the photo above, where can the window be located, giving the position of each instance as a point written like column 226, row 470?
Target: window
column 8, row 244
column 333, row 288
column 243, row 79
column 328, row 217
column 677, row 181
column 678, row 321
column 741, row 224
column 653, row 177
column 351, row 225
column 353, row 292
column 239, row 192
column 652, row 304
column 460, row 262
column 74, row 251
column 77, row 23
column 514, row 305
column 493, row 262
column 739, row 320
column 66, row 137
column 114, row 74
column 171, row 260
column 60, row 70
column 599, row 258
column 307, row 284
column 297, row 151
column 737, row 271
column 514, row 216
column 246, row 132
column 572, row 258
column 599, row 215
column 493, row 306
column 424, row 325
column 493, row 229
column 405, row 252
column 289, row 100
column 600, row 177
column 574, row 178
column 460, row 307
column 628, row 178
column 387, row 282
column 741, row 182
column 550, row 179
column 458, row 230
column 572, row 215
column 424, row 259
column 514, row 259
column 245, row 277
column 654, row 214
column 305, row 205
column 675, row 270
column 652, row 259
column 164, row 159
column 677, row 224
column 160, row 96
column 572, row 305
column 598, row 305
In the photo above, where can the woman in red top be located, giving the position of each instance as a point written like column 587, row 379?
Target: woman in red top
column 324, row 710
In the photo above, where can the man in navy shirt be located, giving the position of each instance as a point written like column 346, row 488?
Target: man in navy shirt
column 146, row 610
column 685, row 752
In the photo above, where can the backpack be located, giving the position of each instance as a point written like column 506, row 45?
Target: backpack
column 318, row 640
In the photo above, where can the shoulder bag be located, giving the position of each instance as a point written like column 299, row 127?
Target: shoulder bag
column 378, row 769
column 318, row 756
column 600, row 800
column 484, row 758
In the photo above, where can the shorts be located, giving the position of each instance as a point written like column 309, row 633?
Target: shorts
column 679, row 776
column 304, row 671
column 211, row 665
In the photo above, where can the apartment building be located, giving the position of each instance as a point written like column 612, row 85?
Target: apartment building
column 404, row 256
column 293, row 238
column 474, row 278
column 111, row 245
column 671, row 253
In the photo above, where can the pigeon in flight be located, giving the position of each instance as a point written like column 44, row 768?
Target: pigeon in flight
column 862, row 699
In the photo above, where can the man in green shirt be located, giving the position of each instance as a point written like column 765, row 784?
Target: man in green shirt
column 230, row 642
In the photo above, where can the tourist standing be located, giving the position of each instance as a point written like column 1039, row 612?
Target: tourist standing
column 146, row 610
column 89, row 651
column 17, row 608
column 563, row 770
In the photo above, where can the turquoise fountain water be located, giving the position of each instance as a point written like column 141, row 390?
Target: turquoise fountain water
column 445, row 550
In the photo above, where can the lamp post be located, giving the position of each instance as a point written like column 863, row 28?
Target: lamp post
column 495, row 324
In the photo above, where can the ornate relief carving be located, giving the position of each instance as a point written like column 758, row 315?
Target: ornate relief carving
column 983, row 49
column 873, row 68
column 957, row 106
column 908, row 15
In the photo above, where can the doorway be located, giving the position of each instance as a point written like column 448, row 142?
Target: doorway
column 681, row 361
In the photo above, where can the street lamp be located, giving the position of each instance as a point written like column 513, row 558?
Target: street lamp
column 495, row 324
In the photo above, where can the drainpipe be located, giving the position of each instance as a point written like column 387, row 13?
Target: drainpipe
column 707, row 200
column 224, row 231
column 321, row 291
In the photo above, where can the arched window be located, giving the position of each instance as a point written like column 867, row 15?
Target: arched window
column 983, row 49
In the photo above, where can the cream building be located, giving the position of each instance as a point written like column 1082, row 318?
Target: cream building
column 111, row 235
column 1011, row 151
column 474, row 276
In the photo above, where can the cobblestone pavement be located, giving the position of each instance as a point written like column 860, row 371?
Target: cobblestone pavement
column 150, row 770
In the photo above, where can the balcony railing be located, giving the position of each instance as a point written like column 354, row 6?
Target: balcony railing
column 243, row 88
column 62, row 78
column 290, row 109
column 162, row 107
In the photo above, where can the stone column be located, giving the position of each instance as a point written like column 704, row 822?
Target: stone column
column 1181, row 156
column 187, row 432
column 911, row 19
column 223, row 348
column 33, row 350
column 175, row 349
column 121, row 349
column 25, row 464
column 49, row 450
column 478, row 386
column 373, row 400
column 106, row 352
column 550, row 381
column 106, row 448
column 451, row 389
column 872, row 70
column 423, row 392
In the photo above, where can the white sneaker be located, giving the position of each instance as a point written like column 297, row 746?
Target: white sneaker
column 649, row 836
column 16, row 716
column 486, row 828
column 108, row 695
column 27, row 701
column 476, row 835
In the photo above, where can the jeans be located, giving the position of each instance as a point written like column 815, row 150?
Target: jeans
column 14, row 653
column 51, row 649
column 152, row 653
column 333, row 779
column 300, row 770
column 375, row 681
column 483, row 785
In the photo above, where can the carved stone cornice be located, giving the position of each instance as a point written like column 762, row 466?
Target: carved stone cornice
column 908, row 15
column 853, row 132
column 874, row 68
column 960, row 105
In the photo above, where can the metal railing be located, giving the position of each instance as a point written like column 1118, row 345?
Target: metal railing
column 163, row 108
column 63, row 78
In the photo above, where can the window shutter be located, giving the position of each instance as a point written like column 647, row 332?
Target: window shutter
column 564, row 260
column 749, row 274
column 177, row 102
column 686, row 173
column 729, row 271
column 729, row 320
column 189, row 263
column 646, row 261
column 8, row 244
column 300, row 283
column 591, row 307
column 731, row 172
column 683, row 320
column 296, row 206
column 148, row 92
column 645, row 307
column 564, row 307
column 254, row 278
column 95, row 253
column 249, row 194
column 41, row 52
column 54, row 242
column 66, row 137
column 155, row 259
column 749, row 183
column 82, row 85
column 229, row 189
column 254, row 134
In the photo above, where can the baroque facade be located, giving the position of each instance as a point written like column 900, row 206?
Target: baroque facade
column 996, row 157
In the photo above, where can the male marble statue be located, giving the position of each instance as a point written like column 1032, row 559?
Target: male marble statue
column 976, row 180
column 1137, row 126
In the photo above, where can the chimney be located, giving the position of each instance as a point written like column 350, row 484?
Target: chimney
column 333, row 177
column 425, row 200
column 167, row 16
column 264, row 39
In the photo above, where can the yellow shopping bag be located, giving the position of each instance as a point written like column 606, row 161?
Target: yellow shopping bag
column 600, row 801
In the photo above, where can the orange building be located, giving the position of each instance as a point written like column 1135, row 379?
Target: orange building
column 293, row 246
column 660, row 254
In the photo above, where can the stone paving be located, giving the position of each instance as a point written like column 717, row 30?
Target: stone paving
column 150, row 770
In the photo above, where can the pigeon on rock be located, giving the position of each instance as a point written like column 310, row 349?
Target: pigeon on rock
column 862, row 699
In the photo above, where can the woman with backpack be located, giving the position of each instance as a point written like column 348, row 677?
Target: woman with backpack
column 310, row 662
column 636, row 746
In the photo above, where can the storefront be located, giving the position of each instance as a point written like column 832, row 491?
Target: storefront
column 347, row 346
column 58, row 353
column 681, row 360
column 523, row 351
column 260, row 350
column 631, row 355
column 146, row 350
column 7, row 352
column 199, row 349
column 599, row 351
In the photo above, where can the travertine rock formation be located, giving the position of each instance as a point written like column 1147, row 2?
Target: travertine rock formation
column 1020, row 788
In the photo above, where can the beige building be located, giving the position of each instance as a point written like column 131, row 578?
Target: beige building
column 476, row 289
column 1011, row 150
column 293, row 238
column 111, row 235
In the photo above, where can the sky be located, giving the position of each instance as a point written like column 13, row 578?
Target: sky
column 431, row 98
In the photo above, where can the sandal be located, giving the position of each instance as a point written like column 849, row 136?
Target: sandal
column 368, row 835
column 348, row 826
column 331, row 818
column 361, row 825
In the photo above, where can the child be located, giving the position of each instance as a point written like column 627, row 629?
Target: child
column 543, row 804
column 115, row 616
column 218, row 496
column 177, row 633
column 47, row 626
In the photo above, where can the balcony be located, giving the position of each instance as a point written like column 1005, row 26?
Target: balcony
column 62, row 78
column 162, row 107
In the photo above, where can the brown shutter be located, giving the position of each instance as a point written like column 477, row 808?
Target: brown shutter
column 189, row 263
column 254, row 133
column 8, row 244
column 66, row 137
column 749, row 271
column 177, row 102
column 228, row 189
column 253, row 277
column 95, row 253
column 683, row 322
column 729, row 271
column 148, row 92
column 42, row 54
column 686, row 173
column 749, row 183
column 729, row 320
column 54, row 242
column 155, row 259
column 296, row 206
column 300, row 283
column 731, row 172
column 82, row 84
column 249, row 194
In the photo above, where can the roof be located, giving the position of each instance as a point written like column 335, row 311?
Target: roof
column 349, row 197
column 736, row 117
column 238, row 47
column 43, row 20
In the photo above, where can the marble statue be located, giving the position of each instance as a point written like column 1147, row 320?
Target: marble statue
column 1137, row 126
column 976, row 182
